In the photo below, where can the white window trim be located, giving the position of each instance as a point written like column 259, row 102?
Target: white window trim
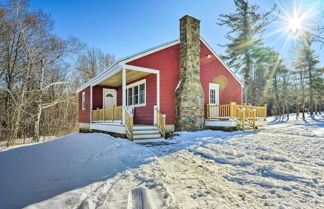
column 138, row 83
column 211, row 85
column 83, row 101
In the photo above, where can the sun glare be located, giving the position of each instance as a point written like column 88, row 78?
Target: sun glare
column 294, row 24
column 295, row 19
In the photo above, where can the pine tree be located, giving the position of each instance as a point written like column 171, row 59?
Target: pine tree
column 246, row 25
column 306, row 62
column 318, row 87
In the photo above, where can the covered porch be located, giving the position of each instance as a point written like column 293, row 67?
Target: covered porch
column 126, row 99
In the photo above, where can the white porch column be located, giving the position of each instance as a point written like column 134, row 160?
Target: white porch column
column 91, row 103
column 158, row 90
column 123, row 93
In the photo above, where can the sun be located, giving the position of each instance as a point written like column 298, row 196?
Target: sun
column 295, row 24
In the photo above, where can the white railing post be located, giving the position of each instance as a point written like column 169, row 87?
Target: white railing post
column 158, row 90
column 91, row 104
column 155, row 121
column 123, row 93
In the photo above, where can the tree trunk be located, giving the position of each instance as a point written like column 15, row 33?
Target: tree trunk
column 311, row 93
column 36, row 135
column 303, row 92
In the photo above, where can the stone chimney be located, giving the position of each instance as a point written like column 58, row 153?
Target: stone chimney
column 189, row 93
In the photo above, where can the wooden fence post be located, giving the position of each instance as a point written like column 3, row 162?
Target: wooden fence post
column 265, row 111
column 232, row 109
column 254, row 117
column 243, row 118
column 113, row 113
column 163, row 126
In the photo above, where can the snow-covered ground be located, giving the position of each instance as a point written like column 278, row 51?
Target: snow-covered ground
column 279, row 166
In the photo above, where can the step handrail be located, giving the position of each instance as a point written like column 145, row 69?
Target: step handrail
column 160, row 122
column 251, row 116
column 241, row 117
column 129, row 124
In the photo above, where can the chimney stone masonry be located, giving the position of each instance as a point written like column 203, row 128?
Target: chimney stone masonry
column 189, row 93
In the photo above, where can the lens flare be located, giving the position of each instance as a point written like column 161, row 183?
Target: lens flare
column 294, row 24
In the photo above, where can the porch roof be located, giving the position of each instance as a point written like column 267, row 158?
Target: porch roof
column 116, row 80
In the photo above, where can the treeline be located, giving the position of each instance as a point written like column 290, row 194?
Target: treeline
column 292, row 85
column 39, row 73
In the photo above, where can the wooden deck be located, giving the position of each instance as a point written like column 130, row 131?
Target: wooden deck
column 231, row 115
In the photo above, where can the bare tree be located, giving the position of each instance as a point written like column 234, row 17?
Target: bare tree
column 91, row 62
column 29, row 55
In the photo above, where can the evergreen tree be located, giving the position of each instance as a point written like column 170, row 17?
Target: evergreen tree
column 306, row 62
column 246, row 25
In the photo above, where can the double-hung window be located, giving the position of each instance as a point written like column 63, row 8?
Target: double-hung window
column 83, row 101
column 136, row 94
column 213, row 94
column 212, row 98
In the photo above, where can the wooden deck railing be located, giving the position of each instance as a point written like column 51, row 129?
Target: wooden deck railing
column 160, row 122
column 129, row 124
column 109, row 113
column 243, row 113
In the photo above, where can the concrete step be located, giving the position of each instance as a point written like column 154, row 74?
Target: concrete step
column 144, row 127
column 139, row 141
column 145, row 132
column 147, row 136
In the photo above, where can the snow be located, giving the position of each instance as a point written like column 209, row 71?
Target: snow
column 278, row 166
column 24, row 142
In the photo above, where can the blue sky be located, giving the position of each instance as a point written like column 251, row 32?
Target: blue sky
column 126, row 27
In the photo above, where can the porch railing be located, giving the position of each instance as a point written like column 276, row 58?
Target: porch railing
column 129, row 124
column 107, row 114
column 231, row 110
column 243, row 113
column 160, row 122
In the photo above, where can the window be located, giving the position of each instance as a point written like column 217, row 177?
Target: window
column 136, row 94
column 212, row 95
column 130, row 96
column 142, row 93
column 83, row 101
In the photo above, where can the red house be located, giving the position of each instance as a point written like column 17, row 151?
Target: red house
column 136, row 96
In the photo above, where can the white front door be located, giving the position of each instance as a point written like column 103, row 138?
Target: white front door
column 214, row 99
column 109, row 97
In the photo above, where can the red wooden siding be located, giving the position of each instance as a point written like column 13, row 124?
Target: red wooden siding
column 84, row 115
column 97, row 98
column 211, row 68
column 167, row 61
column 145, row 114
